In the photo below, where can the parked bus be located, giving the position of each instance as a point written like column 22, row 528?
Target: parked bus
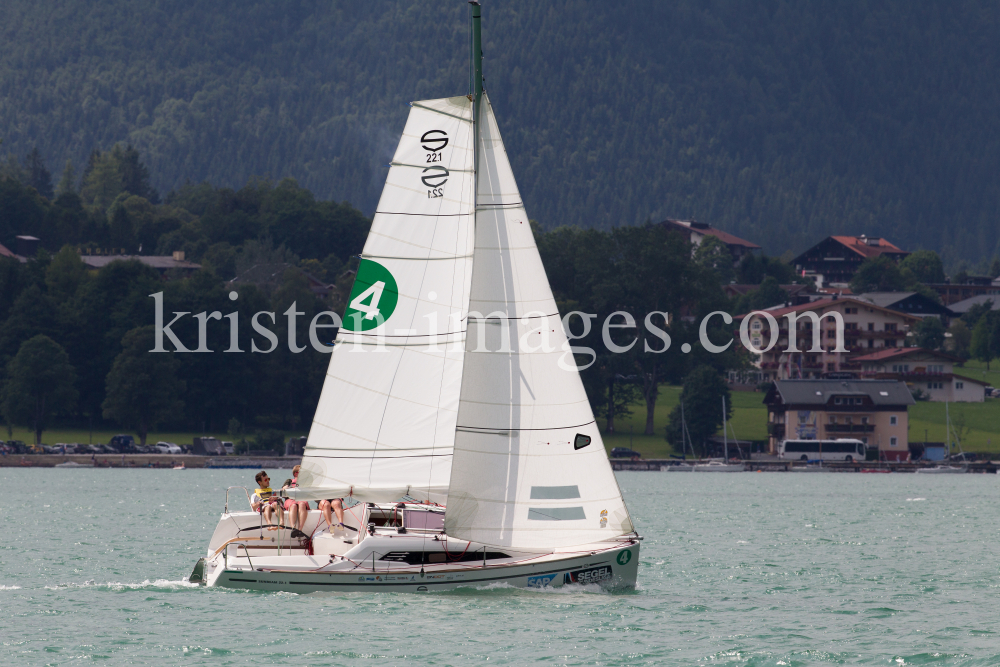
column 843, row 449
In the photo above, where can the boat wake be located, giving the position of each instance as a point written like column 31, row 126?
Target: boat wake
column 115, row 586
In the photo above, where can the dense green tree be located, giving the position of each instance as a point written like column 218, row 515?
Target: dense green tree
column 65, row 274
column 143, row 390
column 879, row 274
column 924, row 265
column 702, row 394
column 985, row 345
column 39, row 385
column 961, row 338
column 930, row 333
column 753, row 269
column 36, row 175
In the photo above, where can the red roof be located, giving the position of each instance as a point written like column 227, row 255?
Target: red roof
column 861, row 245
column 708, row 230
column 899, row 352
column 820, row 303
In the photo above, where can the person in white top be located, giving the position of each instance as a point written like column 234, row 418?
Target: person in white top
column 266, row 502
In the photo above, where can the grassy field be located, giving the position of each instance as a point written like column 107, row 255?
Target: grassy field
column 749, row 421
column 977, row 371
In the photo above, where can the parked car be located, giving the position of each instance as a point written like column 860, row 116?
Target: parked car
column 624, row 453
column 168, row 448
column 124, row 444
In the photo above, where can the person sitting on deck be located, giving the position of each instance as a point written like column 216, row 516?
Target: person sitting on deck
column 336, row 505
column 265, row 502
column 298, row 510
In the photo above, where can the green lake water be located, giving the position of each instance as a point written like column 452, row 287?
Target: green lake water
column 736, row 569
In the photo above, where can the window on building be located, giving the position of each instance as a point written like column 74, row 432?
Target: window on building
column 890, row 326
column 959, row 385
column 831, row 367
column 890, row 342
column 756, row 325
column 859, row 401
column 849, row 420
column 892, row 420
column 892, row 441
column 864, row 440
column 864, row 420
column 833, row 419
column 871, row 326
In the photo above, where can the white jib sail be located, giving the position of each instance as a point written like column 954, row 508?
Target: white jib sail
column 518, row 478
column 385, row 423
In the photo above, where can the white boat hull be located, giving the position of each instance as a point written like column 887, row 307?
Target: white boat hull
column 941, row 471
column 720, row 467
column 244, row 555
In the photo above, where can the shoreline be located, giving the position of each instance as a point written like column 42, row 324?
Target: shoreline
column 161, row 461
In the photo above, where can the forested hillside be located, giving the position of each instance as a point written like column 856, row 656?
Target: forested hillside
column 781, row 121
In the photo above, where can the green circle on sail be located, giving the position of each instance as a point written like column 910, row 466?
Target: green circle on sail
column 372, row 299
column 624, row 557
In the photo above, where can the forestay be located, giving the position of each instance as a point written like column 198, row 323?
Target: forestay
column 386, row 418
column 518, row 478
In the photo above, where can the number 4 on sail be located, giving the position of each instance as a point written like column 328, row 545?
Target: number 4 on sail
column 463, row 457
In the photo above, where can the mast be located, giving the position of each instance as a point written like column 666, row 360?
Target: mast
column 477, row 82
column 725, row 438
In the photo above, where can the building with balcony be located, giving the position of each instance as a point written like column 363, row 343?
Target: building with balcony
column 929, row 371
column 972, row 286
column 868, row 328
column 836, row 259
column 872, row 411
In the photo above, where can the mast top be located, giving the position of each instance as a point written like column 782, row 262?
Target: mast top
column 477, row 52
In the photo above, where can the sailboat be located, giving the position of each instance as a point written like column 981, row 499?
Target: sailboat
column 724, row 465
column 944, row 469
column 452, row 420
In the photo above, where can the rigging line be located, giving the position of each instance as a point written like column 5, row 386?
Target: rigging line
column 443, row 113
column 423, row 166
column 492, row 205
column 415, row 259
column 427, row 215
column 489, row 429
column 510, row 318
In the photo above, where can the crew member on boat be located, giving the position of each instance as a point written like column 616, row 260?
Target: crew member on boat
column 266, row 502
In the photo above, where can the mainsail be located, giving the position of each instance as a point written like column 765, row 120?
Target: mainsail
column 529, row 469
column 385, row 423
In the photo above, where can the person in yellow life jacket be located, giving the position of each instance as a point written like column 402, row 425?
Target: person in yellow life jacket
column 265, row 501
